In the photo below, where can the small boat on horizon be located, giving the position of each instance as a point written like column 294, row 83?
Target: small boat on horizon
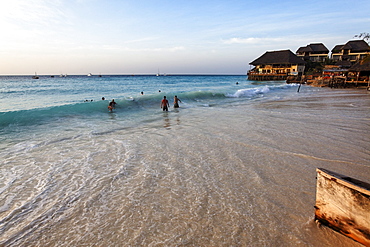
column 159, row 74
column 35, row 76
column 89, row 74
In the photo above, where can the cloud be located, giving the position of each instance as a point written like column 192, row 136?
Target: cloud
column 118, row 48
column 141, row 40
column 32, row 13
column 250, row 40
column 161, row 49
column 240, row 41
column 177, row 48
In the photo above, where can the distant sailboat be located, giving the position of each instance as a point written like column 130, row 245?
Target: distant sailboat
column 35, row 76
column 89, row 74
column 159, row 74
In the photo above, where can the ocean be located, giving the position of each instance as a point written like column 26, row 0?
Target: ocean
column 233, row 166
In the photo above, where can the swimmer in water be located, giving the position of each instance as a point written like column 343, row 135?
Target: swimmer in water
column 176, row 102
column 112, row 105
column 165, row 104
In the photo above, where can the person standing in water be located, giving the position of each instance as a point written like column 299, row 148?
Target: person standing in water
column 176, row 102
column 165, row 104
column 112, row 105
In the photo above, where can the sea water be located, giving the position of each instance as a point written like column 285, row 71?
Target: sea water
column 233, row 166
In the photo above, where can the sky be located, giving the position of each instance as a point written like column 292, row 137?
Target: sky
column 54, row 37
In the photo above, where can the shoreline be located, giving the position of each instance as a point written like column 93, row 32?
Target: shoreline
column 344, row 85
column 328, row 82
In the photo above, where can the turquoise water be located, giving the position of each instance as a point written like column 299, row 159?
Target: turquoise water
column 23, row 93
column 233, row 166
column 27, row 102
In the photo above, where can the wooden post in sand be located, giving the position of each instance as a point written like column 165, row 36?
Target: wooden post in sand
column 343, row 204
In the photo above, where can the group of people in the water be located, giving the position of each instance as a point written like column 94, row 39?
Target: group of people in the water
column 164, row 103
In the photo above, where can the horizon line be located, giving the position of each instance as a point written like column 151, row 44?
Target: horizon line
column 128, row 74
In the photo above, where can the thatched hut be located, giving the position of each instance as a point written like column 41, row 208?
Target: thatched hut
column 316, row 52
column 360, row 72
column 353, row 51
column 276, row 65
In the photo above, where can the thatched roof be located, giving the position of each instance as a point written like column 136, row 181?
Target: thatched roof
column 313, row 48
column 278, row 57
column 353, row 45
column 343, row 63
column 337, row 48
column 363, row 65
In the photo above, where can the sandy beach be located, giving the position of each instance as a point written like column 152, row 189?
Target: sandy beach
column 230, row 173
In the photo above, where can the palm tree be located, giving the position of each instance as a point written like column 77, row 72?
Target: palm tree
column 364, row 36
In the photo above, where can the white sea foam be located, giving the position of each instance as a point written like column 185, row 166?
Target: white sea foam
column 249, row 92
